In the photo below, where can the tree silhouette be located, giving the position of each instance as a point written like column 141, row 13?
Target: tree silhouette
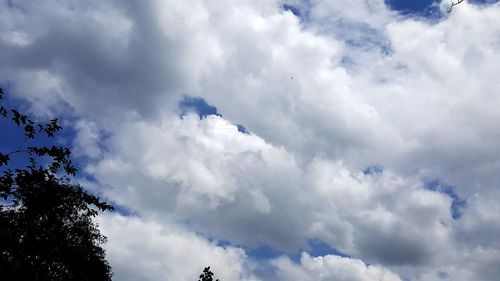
column 207, row 275
column 47, row 228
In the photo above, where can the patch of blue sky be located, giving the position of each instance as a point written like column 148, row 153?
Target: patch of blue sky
column 483, row 2
column 359, row 38
column 199, row 106
column 320, row 248
column 13, row 137
column 263, row 252
column 301, row 9
column 315, row 248
column 373, row 170
column 293, row 9
column 458, row 204
column 242, row 129
column 417, row 8
column 427, row 9
column 357, row 35
column 120, row 209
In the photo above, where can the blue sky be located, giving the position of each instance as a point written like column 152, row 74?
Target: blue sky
column 13, row 136
column 202, row 109
column 411, row 7
column 377, row 161
column 421, row 8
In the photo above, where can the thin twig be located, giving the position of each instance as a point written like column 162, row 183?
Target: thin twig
column 19, row 148
column 454, row 4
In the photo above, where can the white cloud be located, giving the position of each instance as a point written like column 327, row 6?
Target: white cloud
column 331, row 268
column 230, row 184
column 86, row 141
column 353, row 86
column 145, row 250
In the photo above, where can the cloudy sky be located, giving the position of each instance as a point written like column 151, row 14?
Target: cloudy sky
column 345, row 140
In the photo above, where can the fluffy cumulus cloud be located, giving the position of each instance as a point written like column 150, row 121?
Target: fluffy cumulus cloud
column 145, row 250
column 371, row 131
column 331, row 268
column 229, row 184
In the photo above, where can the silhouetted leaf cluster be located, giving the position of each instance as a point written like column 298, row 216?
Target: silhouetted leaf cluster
column 47, row 228
column 207, row 275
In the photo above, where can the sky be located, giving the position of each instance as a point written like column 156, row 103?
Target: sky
column 344, row 140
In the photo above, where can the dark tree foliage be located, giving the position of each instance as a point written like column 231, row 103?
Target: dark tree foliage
column 207, row 275
column 47, row 228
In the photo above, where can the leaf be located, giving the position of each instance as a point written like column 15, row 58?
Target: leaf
column 3, row 111
column 16, row 117
column 4, row 159
column 29, row 131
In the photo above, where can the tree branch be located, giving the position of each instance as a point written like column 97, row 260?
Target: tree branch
column 454, row 4
column 19, row 148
